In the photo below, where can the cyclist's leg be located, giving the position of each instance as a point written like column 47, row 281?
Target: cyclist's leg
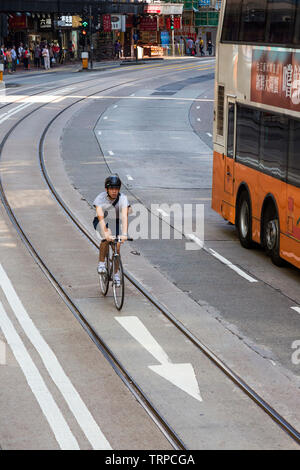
column 103, row 250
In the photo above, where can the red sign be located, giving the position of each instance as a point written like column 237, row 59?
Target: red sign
column 106, row 23
column 275, row 78
column 152, row 9
column 148, row 24
column 18, row 22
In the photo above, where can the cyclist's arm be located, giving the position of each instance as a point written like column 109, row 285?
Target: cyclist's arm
column 124, row 215
column 103, row 227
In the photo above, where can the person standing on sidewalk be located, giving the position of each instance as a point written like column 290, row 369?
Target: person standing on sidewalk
column 14, row 58
column 46, row 56
column 9, row 60
column 26, row 58
column 37, row 56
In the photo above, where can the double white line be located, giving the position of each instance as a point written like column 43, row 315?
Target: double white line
column 56, row 420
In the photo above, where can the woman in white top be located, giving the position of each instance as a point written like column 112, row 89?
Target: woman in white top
column 45, row 54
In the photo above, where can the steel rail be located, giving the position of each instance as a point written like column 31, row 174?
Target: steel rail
column 282, row 422
column 121, row 371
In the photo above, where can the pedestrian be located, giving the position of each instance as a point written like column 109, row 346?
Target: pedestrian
column 14, row 58
column 51, row 55
column 20, row 52
column 201, row 45
column 209, row 47
column 3, row 56
column 37, row 55
column 9, row 60
column 117, row 47
column 190, row 46
column 26, row 58
column 46, row 56
column 182, row 45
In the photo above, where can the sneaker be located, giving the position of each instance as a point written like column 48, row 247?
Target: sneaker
column 101, row 267
column 117, row 280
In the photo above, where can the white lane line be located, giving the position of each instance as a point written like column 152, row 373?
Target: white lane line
column 232, row 266
column 105, row 117
column 129, row 178
column 52, row 413
column 115, row 106
column 99, row 132
column 162, row 212
column 62, row 381
column 15, row 111
column 198, row 119
column 111, row 152
column 297, row 309
column 195, row 239
column 209, row 134
column 197, row 107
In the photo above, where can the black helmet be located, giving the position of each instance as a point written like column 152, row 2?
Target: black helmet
column 113, row 181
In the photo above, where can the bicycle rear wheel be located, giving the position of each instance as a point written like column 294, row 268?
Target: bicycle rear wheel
column 118, row 288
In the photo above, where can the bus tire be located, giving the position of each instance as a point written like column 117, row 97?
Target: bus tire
column 271, row 235
column 244, row 225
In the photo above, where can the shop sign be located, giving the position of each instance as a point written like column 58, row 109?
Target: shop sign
column 275, row 78
column 65, row 22
column 76, row 22
column 164, row 8
column 45, row 23
column 118, row 22
column 148, row 24
column 18, row 22
column 152, row 8
column 106, row 23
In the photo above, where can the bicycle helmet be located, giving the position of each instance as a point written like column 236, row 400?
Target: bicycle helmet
column 113, row 181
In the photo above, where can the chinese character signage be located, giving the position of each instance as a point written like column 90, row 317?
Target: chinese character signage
column 275, row 78
column 148, row 24
column 106, row 23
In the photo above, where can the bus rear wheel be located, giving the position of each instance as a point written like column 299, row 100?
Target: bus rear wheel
column 271, row 235
column 244, row 220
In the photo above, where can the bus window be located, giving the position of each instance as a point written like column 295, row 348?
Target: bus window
column 230, row 133
column 280, row 21
column 294, row 153
column 253, row 20
column 247, row 136
column 274, row 145
column 231, row 21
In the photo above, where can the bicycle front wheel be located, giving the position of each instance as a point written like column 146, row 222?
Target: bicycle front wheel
column 118, row 282
column 104, row 277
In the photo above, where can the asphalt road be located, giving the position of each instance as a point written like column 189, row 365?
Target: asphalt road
column 155, row 130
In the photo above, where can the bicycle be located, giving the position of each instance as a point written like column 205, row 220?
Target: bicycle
column 114, row 266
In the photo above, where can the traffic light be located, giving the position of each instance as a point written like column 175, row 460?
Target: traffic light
column 84, row 26
column 172, row 22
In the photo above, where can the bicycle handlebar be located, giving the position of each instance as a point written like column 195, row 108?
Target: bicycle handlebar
column 118, row 239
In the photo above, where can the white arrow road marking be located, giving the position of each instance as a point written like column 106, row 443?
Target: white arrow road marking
column 181, row 375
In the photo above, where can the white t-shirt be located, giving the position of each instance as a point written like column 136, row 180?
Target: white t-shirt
column 103, row 201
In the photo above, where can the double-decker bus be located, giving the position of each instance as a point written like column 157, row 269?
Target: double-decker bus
column 256, row 166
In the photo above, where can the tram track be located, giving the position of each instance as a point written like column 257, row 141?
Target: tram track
column 170, row 434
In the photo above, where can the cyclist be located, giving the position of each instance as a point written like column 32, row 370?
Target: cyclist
column 105, row 201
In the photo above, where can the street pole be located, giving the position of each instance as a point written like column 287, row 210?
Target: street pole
column 91, row 39
column 173, row 40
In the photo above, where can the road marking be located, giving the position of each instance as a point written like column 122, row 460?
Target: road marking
column 198, row 119
column 195, row 239
column 297, row 309
column 231, row 266
column 162, row 212
column 55, row 370
column 115, row 106
column 180, row 375
column 198, row 107
column 52, row 413
column 105, row 117
column 111, row 152
column 209, row 134
column 129, row 178
column 14, row 111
